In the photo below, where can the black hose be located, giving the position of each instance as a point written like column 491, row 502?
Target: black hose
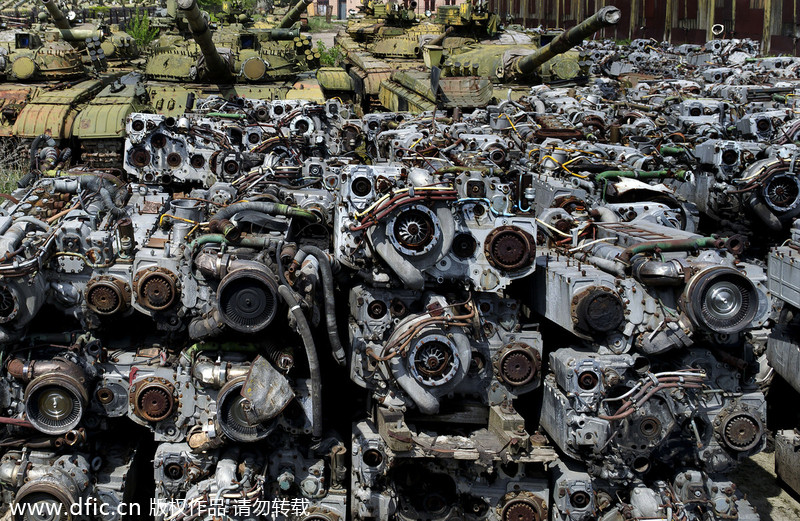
column 330, row 303
column 311, row 353
column 34, row 151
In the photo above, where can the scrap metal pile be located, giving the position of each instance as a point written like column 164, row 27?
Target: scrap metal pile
column 557, row 307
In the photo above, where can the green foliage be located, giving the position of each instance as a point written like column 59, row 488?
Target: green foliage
column 210, row 5
column 140, row 30
column 328, row 57
column 318, row 23
column 12, row 165
column 9, row 178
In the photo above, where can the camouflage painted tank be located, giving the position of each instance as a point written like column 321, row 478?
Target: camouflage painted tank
column 382, row 20
column 479, row 74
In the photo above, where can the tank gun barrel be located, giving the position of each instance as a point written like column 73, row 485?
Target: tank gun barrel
column 282, row 34
column 80, row 35
column 55, row 13
column 440, row 38
column 217, row 67
column 294, row 14
column 605, row 17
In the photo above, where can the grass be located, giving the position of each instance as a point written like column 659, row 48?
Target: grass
column 12, row 165
column 317, row 24
column 8, row 180
column 328, row 56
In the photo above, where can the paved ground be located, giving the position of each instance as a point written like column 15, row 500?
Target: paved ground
column 325, row 36
column 756, row 479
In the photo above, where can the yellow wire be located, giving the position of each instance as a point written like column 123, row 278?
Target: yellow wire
column 512, row 124
column 577, row 150
column 564, row 167
column 161, row 220
column 552, row 228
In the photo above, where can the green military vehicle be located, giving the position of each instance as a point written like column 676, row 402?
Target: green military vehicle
column 236, row 61
column 463, row 59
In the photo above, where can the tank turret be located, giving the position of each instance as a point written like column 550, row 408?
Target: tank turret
column 525, row 65
column 58, row 17
column 293, row 16
column 217, row 68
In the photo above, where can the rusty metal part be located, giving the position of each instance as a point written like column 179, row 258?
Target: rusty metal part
column 597, row 310
column 588, row 380
column 153, row 399
column 523, row 506
column 174, row 159
column 739, row 429
column 376, row 309
column 106, row 295
column 104, row 395
column 140, row 157
column 517, row 364
column 509, row 248
column 156, row 288
column 158, row 140
column 27, row 370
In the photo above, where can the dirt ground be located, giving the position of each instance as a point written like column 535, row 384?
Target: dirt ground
column 756, row 479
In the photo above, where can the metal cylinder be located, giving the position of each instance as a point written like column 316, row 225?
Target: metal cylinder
column 294, row 14
column 58, row 17
column 78, row 35
column 565, row 41
column 282, row 34
column 216, row 66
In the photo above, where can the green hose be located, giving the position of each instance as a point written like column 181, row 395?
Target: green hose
column 667, row 150
column 226, row 115
column 459, row 169
column 672, row 245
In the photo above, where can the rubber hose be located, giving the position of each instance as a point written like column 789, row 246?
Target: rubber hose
column 330, row 303
column 311, row 353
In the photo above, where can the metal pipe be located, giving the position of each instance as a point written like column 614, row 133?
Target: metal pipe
column 293, row 15
column 671, row 245
column 565, row 41
column 311, row 353
column 217, row 68
column 58, row 17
